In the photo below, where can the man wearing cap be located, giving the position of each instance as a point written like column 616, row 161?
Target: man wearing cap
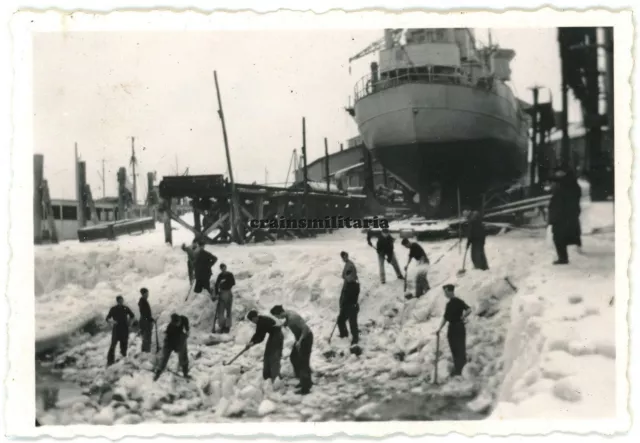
column 224, row 283
column 175, row 340
column 121, row 316
column 349, row 307
column 416, row 252
column 146, row 320
column 476, row 236
column 301, row 353
column 564, row 213
column 384, row 248
column 273, row 349
column 455, row 314
column 191, row 257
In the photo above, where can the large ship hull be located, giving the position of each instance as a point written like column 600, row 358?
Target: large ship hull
column 441, row 138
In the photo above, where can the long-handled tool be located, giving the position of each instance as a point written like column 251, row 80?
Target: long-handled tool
column 190, row 289
column 515, row 289
column 235, row 358
column 445, row 253
column 464, row 261
column 332, row 331
column 435, row 375
column 155, row 322
column 215, row 317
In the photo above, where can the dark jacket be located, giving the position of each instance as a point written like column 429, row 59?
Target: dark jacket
column 145, row 309
column 564, row 210
column 174, row 333
column 119, row 313
column 476, row 232
column 384, row 246
column 417, row 253
column 266, row 325
column 225, row 281
column 203, row 263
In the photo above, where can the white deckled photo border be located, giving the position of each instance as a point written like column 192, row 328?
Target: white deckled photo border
column 20, row 384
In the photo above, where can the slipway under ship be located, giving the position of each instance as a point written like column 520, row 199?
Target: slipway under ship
column 437, row 112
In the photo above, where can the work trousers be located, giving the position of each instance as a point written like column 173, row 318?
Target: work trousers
column 457, row 337
column 394, row 263
column 119, row 334
column 224, row 310
column 478, row 257
column 301, row 361
column 190, row 271
column 349, row 313
column 180, row 346
column 146, row 327
column 272, row 355
column 422, row 283
column 560, row 242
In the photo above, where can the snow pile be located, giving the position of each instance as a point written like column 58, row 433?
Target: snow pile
column 523, row 347
column 560, row 352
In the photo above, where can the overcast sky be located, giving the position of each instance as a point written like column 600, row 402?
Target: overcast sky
column 99, row 89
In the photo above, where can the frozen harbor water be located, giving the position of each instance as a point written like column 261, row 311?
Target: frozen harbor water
column 539, row 345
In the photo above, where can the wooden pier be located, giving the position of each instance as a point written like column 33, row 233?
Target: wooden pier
column 211, row 200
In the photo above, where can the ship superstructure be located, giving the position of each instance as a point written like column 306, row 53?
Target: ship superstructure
column 436, row 111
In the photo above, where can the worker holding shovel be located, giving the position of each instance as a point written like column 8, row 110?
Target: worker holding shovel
column 175, row 341
column 146, row 320
column 266, row 325
column 476, row 236
column 416, row 252
column 384, row 248
column 455, row 314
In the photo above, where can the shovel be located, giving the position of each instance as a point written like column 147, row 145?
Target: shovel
column 235, row 358
column 332, row 331
column 435, row 375
column 462, row 271
column 190, row 289
column 155, row 322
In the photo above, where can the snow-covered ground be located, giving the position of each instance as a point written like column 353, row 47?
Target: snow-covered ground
column 545, row 350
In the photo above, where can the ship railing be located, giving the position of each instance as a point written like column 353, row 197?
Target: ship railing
column 367, row 86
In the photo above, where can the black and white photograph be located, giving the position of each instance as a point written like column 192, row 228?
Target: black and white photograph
column 375, row 224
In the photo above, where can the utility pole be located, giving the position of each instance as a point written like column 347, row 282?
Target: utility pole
column 326, row 164
column 134, row 161
column 534, row 137
column 101, row 175
column 235, row 222
column 565, row 154
column 304, row 167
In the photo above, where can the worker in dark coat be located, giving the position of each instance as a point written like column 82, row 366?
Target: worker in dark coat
column 175, row 340
column 417, row 253
column 455, row 314
column 301, row 352
column 191, row 257
column 384, row 248
column 146, row 320
column 121, row 316
column 564, row 214
column 273, row 349
column 476, row 236
column 224, row 283
column 349, row 307
column 202, row 265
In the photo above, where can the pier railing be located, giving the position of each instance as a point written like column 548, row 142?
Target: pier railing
column 366, row 86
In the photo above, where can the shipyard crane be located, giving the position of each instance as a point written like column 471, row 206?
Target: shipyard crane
column 377, row 45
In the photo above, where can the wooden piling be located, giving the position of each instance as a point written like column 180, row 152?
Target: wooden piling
column 53, row 234
column 122, row 177
column 326, row 164
column 82, row 202
column 304, row 168
column 38, row 176
column 168, row 235
column 236, row 231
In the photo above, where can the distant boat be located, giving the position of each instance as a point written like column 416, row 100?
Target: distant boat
column 436, row 111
